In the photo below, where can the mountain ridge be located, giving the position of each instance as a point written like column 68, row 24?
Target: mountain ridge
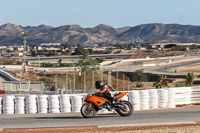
column 100, row 34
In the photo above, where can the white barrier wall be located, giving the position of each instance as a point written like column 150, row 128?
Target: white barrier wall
column 0, row 105
column 141, row 100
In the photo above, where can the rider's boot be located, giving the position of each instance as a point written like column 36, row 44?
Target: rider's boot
column 113, row 101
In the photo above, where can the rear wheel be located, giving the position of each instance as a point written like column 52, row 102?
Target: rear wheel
column 88, row 111
column 124, row 108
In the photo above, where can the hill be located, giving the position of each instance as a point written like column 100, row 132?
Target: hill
column 101, row 34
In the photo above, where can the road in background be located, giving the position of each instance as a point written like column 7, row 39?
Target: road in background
column 168, row 69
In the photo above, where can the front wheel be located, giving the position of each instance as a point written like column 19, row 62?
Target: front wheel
column 124, row 108
column 88, row 111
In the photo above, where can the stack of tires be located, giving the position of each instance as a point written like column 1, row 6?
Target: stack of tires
column 163, row 98
column 9, row 105
column 43, row 104
column 171, row 97
column 19, row 105
column 31, row 104
column 65, row 105
column 144, row 99
column 0, row 105
column 77, row 102
column 134, row 98
column 54, row 105
column 153, row 99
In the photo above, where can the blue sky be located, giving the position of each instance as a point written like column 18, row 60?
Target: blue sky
column 89, row 13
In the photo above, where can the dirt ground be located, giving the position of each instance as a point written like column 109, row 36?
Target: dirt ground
column 194, row 68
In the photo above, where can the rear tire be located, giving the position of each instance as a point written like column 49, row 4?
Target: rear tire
column 127, row 110
column 87, row 111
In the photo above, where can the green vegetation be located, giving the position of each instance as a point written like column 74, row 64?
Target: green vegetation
column 48, row 79
column 139, row 77
column 82, row 51
column 10, row 62
column 55, row 65
column 160, row 81
column 180, row 84
column 190, row 78
column 86, row 63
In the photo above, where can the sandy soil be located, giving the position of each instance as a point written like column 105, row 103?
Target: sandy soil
column 193, row 68
column 2, row 79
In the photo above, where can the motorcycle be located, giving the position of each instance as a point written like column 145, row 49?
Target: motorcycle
column 94, row 103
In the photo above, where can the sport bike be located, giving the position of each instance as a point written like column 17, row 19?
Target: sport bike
column 94, row 103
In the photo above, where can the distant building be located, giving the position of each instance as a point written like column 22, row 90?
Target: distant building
column 50, row 44
column 12, row 54
column 174, row 46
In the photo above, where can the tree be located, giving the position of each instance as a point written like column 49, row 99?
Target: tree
column 190, row 78
column 161, row 81
column 86, row 63
column 138, row 77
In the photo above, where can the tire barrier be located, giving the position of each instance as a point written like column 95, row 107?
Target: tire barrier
column 19, row 105
column 8, row 105
column 66, row 103
column 77, row 102
column 162, row 98
column 171, row 97
column 54, row 104
column 31, row 104
column 153, row 96
column 144, row 99
column 134, row 98
column 42, row 104
column 0, row 105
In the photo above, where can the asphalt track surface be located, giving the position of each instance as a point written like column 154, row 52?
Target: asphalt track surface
column 168, row 68
column 139, row 118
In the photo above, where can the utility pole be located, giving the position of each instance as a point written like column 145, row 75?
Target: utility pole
column 123, row 81
column 93, row 79
column 56, row 83
column 101, row 75
column 117, row 80
column 24, row 35
column 74, row 81
column 84, row 84
column 66, row 82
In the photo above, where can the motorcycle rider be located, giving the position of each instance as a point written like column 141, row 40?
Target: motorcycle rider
column 105, row 91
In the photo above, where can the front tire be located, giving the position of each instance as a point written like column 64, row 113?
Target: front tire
column 87, row 111
column 125, row 108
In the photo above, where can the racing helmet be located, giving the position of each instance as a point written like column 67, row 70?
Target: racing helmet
column 99, row 84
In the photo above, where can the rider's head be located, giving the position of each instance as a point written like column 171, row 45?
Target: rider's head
column 99, row 84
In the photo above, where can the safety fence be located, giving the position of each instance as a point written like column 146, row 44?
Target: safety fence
column 67, row 103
